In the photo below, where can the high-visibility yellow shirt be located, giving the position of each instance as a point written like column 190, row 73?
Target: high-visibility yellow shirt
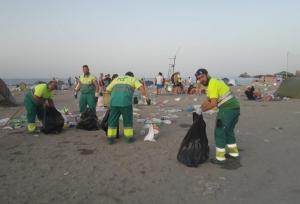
column 87, row 84
column 87, row 79
column 41, row 90
column 122, row 89
column 216, row 89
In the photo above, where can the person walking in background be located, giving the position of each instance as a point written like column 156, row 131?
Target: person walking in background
column 159, row 82
column 220, row 96
column 89, row 88
column 70, row 81
column 106, row 80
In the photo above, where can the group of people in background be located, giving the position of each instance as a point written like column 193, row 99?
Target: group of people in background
column 176, row 85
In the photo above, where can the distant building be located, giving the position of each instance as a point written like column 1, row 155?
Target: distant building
column 268, row 78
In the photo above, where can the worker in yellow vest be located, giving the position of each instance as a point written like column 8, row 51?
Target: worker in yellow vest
column 35, row 101
column 220, row 96
column 89, row 88
column 122, row 89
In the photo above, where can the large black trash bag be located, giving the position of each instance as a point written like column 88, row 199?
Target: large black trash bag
column 88, row 120
column 53, row 121
column 194, row 148
column 104, row 124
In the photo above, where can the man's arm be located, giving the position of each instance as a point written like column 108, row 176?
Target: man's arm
column 97, row 88
column 50, row 102
column 209, row 104
column 38, row 100
column 143, row 91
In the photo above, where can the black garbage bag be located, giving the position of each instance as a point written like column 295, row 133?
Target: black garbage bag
column 104, row 124
column 53, row 121
column 194, row 148
column 88, row 121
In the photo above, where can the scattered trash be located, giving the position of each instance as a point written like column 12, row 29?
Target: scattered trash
column 167, row 122
column 154, row 121
column 195, row 99
column 140, row 120
column 278, row 128
column 177, row 99
column 286, row 98
column 165, row 101
column 7, row 128
column 153, row 130
column 174, row 110
column 190, row 108
column 169, row 116
column 66, row 173
column 137, row 115
column 136, row 110
column 36, row 135
column 4, row 121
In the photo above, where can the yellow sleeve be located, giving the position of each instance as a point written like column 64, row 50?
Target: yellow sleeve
column 137, row 83
column 111, row 85
column 212, row 90
column 94, row 79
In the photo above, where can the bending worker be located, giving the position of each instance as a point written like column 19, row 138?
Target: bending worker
column 122, row 89
column 220, row 96
column 89, row 89
column 35, row 101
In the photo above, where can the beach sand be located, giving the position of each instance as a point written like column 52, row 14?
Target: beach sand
column 78, row 166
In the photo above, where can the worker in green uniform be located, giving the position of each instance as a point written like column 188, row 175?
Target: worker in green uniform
column 220, row 96
column 122, row 89
column 35, row 101
column 89, row 89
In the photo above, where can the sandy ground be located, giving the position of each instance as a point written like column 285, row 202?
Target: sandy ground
column 78, row 166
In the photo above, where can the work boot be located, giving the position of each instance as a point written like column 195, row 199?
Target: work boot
column 233, row 151
column 220, row 156
column 110, row 140
column 129, row 139
column 31, row 127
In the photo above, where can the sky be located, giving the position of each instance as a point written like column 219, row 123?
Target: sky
column 55, row 38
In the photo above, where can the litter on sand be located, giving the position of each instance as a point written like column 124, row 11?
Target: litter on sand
column 4, row 121
column 174, row 110
column 177, row 99
column 153, row 130
column 167, row 122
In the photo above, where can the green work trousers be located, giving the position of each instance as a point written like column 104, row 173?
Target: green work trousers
column 87, row 99
column 224, row 131
column 32, row 108
column 113, row 120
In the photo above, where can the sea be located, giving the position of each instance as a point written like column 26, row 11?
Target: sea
column 30, row 82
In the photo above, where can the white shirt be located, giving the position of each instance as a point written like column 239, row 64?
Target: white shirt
column 159, row 80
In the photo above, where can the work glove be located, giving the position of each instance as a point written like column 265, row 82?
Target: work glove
column 75, row 95
column 198, row 109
